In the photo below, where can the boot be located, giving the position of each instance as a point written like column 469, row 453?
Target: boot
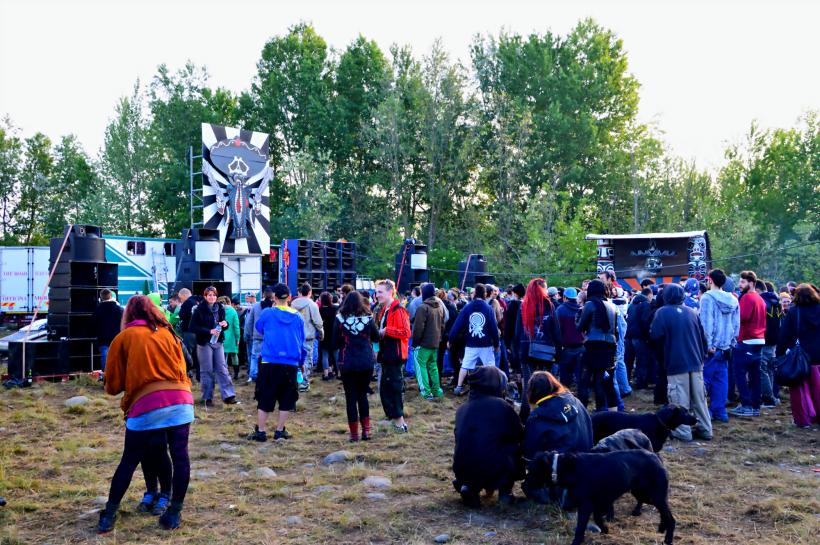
column 366, row 428
column 172, row 517
column 108, row 518
column 354, row 431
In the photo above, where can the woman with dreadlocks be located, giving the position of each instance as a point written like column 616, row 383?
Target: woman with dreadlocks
column 537, row 332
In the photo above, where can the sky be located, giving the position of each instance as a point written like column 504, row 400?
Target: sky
column 707, row 69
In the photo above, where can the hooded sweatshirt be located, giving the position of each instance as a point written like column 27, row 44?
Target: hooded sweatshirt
column 560, row 423
column 314, row 328
column 634, row 329
column 488, row 433
column 678, row 327
column 774, row 313
column 566, row 313
column 752, row 317
column 428, row 327
column 477, row 321
column 353, row 337
column 720, row 316
column 283, row 336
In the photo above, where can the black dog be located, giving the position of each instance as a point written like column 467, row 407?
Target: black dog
column 596, row 480
column 629, row 439
column 657, row 426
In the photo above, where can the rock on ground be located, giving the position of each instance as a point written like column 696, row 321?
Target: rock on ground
column 338, row 457
column 264, row 472
column 442, row 538
column 76, row 401
column 378, row 482
column 375, row 496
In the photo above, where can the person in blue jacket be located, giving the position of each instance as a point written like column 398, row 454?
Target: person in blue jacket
column 477, row 322
column 283, row 352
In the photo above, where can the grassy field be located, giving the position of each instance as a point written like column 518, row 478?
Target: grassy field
column 756, row 483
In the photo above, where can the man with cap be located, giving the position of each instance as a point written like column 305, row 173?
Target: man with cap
column 553, row 294
column 283, row 353
column 569, row 362
column 253, row 338
column 428, row 328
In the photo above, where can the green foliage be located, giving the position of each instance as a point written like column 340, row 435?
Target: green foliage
column 517, row 156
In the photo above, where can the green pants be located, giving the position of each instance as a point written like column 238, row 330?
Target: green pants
column 424, row 361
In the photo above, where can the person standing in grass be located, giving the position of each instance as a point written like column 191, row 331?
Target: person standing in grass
column 232, row 335
column 209, row 324
column 283, row 352
column 354, row 333
column 720, row 318
column 428, row 328
column 145, row 362
column 748, row 351
column 394, row 332
column 477, row 322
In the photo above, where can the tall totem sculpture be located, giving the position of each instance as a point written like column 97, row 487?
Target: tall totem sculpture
column 606, row 256
column 698, row 267
column 236, row 193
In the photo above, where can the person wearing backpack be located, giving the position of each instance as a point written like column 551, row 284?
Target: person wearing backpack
column 598, row 320
column 537, row 332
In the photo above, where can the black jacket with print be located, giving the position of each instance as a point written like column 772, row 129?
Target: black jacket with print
column 353, row 337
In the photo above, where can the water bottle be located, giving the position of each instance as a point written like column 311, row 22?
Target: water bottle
column 299, row 378
column 215, row 337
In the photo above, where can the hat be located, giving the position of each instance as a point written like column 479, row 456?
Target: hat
column 571, row 293
column 729, row 285
column 691, row 286
column 281, row 291
column 428, row 290
column 552, row 291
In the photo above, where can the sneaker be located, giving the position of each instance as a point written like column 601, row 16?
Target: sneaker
column 459, row 390
column 250, row 379
column 162, row 504
column 768, row 404
column 742, row 411
column 171, row 518
column 325, row 378
column 208, row 402
column 755, row 412
column 277, row 435
column 429, row 397
column 258, row 436
column 147, row 503
column 304, row 387
column 231, row 401
column 400, row 429
column 108, row 519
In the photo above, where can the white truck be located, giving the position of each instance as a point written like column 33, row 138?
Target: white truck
column 23, row 276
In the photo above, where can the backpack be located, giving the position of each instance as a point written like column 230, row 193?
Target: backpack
column 542, row 345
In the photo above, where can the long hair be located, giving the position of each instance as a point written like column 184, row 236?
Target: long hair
column 141, row 307
column 543, row 384
column 806, row 295
column 535, row 305
column 354, row 305
column 325, row 300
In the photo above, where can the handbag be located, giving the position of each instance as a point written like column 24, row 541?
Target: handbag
column 541, row 346
column 793, row 367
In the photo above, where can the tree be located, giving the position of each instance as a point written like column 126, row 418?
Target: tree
column 127, row 166
column 11, row 161
column 72, row 181
column 179, row 103
column 34, row 183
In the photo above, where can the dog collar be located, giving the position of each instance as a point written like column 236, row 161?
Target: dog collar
column 555, row 468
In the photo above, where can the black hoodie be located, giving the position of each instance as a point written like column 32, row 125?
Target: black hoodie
column 561, row 424
column 678, row 328
column 353, row 337
column 488, row 434
column 774, row 313
column 634, row 317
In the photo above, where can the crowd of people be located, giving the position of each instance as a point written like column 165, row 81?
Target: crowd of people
column 699, row 345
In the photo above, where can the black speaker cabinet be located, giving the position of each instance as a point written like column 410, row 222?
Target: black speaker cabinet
column 73, row 325
column 73, row 300
column 85, row 275
column 41, row 358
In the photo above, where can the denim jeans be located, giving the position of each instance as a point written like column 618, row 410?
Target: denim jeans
column 768, row 387
column 103, row 356
column 256, row 353
column 621, row 378
column 716, row 381
column 746, row 360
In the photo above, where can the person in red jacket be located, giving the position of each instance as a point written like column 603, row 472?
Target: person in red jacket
column 748, row 351
column 394, row 331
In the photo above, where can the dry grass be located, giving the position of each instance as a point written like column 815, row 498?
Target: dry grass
column 754, row 484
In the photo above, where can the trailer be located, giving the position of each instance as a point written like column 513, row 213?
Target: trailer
column 145, row 264
column 23, row 276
